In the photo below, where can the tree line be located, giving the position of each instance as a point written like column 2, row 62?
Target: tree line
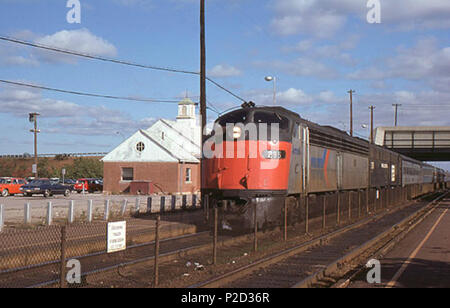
column 81, row 167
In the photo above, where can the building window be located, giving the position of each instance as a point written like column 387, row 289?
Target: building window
column 162, row 135
column 188, row 175
column 127, row 174
column 140, row 147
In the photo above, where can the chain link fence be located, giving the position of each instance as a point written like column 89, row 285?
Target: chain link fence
column 168, row 244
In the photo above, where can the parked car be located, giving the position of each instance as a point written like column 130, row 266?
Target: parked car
column 69, row 182
column 89, row 185
column 11, row 186
column 46, row 188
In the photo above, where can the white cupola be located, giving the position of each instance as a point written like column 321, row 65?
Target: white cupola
column 186, row 111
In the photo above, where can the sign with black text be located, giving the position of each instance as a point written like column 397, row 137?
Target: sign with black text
column 116, row 238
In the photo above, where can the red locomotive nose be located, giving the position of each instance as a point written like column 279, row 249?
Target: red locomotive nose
column 249, row 165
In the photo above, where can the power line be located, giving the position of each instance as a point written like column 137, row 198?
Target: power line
column 116, row 61
column 89, row 94
column 85, row 55
column 212, row 107
column 225, row 89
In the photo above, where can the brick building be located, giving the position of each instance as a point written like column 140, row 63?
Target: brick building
column 167, row 154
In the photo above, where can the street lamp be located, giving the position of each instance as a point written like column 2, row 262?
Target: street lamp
column 271, row 78
column 366, row 126
column 33, row 118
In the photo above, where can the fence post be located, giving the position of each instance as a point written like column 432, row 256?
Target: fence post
column 149, row 205
column 137, row 206
column 62, row 277
column 156, row 277
column 215, row 235
column 324, row 211
column 306, row 213
column 89, row 211
column 1, row 218
column 285, row 212
column 124, row 207
column 350, row 206
column 49, row 213
column 255, row 236
column 173, row 204
column 389, row 196
column 194, row 201
column 27, row 213
column 71, row 212
column 206, row 206
column 359, row 203
column 367, row 201
column 338, row 210
column 377, row 199
column 106, row 217
column 184, row 202
column 162, row 204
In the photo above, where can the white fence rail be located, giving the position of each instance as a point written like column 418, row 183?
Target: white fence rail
column 96, row 209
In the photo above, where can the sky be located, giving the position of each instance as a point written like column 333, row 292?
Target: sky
column 317, row 50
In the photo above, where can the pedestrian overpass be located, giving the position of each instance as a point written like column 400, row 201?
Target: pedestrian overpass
column 422, row 143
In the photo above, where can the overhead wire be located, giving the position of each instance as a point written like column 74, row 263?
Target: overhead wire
column 116, row 61
column 148, row 100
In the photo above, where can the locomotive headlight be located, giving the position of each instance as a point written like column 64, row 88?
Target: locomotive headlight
column 237, row 131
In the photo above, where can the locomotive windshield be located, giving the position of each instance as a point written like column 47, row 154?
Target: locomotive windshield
column 271, row 118
column 248, row 117
column 238, row 116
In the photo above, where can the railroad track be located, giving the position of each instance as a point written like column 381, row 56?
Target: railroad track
column 321, row 261
column 47, row 273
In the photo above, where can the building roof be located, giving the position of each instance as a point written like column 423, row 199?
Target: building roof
column 164, row 141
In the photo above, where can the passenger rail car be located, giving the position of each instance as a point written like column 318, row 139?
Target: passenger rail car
column 302, row 158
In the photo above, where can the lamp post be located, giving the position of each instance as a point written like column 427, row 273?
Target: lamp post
column 33, row 118
column 271, row 78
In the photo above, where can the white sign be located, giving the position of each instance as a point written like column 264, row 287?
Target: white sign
column 116, row 239
column 63, row 171
column 34, row 169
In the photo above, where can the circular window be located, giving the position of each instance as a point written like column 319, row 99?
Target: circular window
column 140, row 147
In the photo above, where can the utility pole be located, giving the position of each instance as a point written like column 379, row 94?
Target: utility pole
column 396, row 109
column 371, row 123
column 33, row 118
column 202, row 88
column 351, row 111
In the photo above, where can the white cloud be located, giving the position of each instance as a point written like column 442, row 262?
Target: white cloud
column 337, row 51
column 324, row 18
column 224, row 70
column 302, row 66
column 425, row 61
column 81, row 40
column 11, row 55
column 68, row 117
column 294, row 96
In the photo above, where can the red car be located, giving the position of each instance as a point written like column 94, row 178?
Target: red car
column 90, row 185
column 11, row 186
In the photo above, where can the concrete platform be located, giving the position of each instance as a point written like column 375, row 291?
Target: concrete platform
column 421, row 259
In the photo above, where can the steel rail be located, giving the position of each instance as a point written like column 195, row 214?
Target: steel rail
column 275, row 258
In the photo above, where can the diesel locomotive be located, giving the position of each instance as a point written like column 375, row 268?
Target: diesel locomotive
column 300, row 158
